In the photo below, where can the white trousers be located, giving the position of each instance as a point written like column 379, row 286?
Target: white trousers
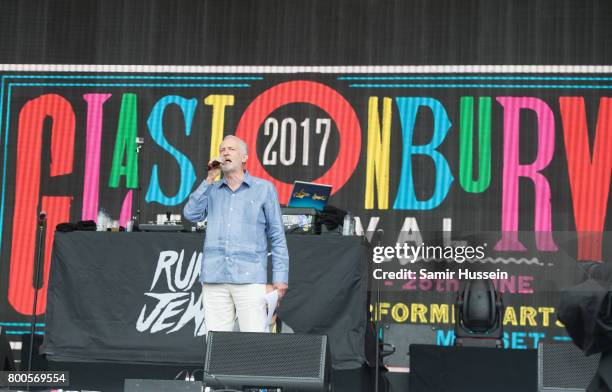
column 223, row 302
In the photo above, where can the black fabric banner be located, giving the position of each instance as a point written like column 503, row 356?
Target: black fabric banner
column 136, row 297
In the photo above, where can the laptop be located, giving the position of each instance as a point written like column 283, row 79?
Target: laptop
column 309, row 195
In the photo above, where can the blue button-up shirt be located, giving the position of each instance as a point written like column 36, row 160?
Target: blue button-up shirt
column 239, row 225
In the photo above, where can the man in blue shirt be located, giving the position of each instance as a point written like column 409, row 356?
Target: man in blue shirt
column 242, row 214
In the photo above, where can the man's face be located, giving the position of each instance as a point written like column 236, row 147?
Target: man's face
column 231, row 155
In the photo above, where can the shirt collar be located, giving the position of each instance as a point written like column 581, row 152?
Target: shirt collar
column 247, row 179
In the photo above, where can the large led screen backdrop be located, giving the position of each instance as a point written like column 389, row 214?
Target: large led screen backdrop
column 520, row 154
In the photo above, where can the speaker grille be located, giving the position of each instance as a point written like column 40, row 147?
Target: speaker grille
column 563, row 365
column 261, row 354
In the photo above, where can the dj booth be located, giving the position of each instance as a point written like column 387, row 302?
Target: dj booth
column 136, row 297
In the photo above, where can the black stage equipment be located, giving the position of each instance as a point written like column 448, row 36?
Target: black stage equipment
column 135, row 385
column 30, row 353
column 472, row 369
column 479, row 315
column 299, row 220
column 139, row 141
column 400, row 337
column 563, row 367
column 6, row 353
column 40, row 256
column 253, row 360
column 153, row 227
column 586, row 312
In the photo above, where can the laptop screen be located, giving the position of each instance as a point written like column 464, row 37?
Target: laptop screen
column 309, row 195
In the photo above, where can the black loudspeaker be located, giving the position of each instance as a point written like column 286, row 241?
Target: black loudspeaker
column 563, row 367
column 288, row 361
column 162, row 386
column 6, row 354
column 472, row 369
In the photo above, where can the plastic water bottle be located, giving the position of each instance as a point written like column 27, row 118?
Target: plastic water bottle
column 101, row 221
column 348, row 225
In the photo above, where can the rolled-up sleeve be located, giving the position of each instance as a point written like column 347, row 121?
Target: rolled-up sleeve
column 276, row 236
column 196, row 208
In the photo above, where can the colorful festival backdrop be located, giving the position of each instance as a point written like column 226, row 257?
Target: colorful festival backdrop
column 520, row 155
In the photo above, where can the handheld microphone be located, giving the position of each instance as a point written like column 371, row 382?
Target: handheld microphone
column 214, row 165
column 42, row 216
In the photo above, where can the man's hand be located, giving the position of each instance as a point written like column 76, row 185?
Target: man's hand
column 282, row 289
column 214, row 169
